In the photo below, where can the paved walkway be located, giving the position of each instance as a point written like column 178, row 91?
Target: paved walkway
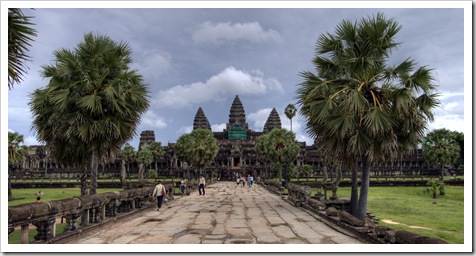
column 227, row 214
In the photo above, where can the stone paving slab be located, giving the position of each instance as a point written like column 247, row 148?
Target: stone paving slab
column 227, row 214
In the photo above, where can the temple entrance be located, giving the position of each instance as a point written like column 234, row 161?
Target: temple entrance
column 236, row 161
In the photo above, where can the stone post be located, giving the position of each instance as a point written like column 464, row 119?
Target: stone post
column 24, row 234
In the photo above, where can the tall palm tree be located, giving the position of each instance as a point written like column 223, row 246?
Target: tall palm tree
column 290, row 112
column 91, row 105
column 157, row 151
column 199, row 148
column 128, row 155
column 144, row 157
column 440, row 148
column 280, row 147
column 20, row 36
column 16, row 151
column 357, row 106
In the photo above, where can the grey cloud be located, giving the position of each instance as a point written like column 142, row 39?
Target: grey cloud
column 218, row 33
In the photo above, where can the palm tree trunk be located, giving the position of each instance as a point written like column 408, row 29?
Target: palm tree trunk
column 84, row 191
column 10, row 194
column 364, row 191
column 84, row 182
column 286, row 176
column 290, row 119
column 140, row 174
column 354, row 193
column 123, row 173
column 94, row 172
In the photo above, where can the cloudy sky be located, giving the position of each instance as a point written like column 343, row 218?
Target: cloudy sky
column 193, row 58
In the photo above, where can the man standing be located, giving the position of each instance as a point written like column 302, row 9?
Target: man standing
column 201, row 186
column 159, row 192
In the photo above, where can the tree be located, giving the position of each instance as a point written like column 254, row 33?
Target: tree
column 306, row 170
column 16, row 152
column 358, row 108
column 261, row 150
column 434, row 186
column 279, row 147
column 128, row 155
column 20, row 36
column 290, row 112
column 440, row 148
column 198, row 148
column 91, row 105
column 144, row 157
column 157, row 151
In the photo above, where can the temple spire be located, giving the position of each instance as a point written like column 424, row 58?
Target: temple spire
column 273, row 121
column 201, row 121
column 237, row 114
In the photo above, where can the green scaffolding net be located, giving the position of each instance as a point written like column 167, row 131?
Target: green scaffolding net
column 237, row 132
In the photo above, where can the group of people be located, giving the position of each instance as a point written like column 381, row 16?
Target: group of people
column 242, row 180
column 160, row 192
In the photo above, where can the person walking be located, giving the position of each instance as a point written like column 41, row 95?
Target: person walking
column 201, row 186
column 159, row 193
column 182, row 187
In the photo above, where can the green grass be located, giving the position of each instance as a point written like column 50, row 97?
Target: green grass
column 412, row 206
column 27, row 195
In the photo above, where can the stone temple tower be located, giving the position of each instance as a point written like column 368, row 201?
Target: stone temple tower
column 146, row 137
column 237, row 114
column 274, row 121
column 201, row 121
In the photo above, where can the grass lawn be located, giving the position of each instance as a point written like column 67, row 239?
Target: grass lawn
column 412, row 209
column 27, row 195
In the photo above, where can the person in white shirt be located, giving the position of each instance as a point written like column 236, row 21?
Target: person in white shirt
column 201, row 186
column 159, row 193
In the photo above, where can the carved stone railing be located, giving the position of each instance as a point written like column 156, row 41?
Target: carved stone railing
column 94, row 209
column 300, row 196
column 274, row 186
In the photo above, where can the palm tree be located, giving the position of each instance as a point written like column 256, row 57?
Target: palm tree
column 441, row 148
column 358, row 107
column 128, row 155
column 157, row 151
column 261, row 148
column 199, row 148
column 20, row 35
column 434, row 186
column 91, row 105
column 290, row 112
column 16, row 151
column 144, row 157
column 279, row 147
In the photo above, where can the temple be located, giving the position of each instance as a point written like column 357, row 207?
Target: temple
column 236, row 154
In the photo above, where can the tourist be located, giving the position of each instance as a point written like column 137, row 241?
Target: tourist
column 237, row 181
column 38, row 199
column 182, row 187
column 248, row 181
column 243, row 181
column 159, row 193
column 251, row 180
column 201, row 186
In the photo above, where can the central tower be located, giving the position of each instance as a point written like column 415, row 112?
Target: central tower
column 237, row 126
column 237, row 114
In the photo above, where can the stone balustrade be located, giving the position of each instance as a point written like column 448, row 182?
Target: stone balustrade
column 300, row 196
column 91, row 209
column 275, row 186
